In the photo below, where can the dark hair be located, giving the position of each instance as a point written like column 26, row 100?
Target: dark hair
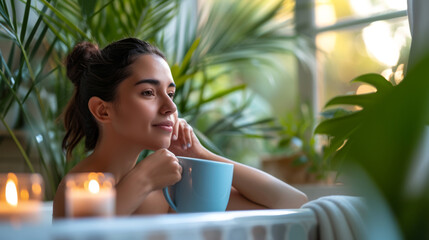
column 97, row 73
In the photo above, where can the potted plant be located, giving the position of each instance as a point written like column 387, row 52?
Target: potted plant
column 294, row 152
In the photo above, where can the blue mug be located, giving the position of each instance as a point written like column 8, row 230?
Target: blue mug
column 205, row 186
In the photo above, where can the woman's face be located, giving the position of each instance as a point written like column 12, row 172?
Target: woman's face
column 144, row 108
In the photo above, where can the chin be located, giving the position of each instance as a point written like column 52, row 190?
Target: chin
column 159, row 145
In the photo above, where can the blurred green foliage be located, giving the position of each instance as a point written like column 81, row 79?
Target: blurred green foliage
column 383, row 139
column 209, row 50
column 296, row 139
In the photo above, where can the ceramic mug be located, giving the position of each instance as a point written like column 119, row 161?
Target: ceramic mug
column 205, row 186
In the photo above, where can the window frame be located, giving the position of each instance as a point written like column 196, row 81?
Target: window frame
column 305, row 24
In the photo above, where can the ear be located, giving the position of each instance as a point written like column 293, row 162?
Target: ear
column 99, row 109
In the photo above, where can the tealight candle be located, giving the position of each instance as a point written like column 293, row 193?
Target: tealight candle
column 20, row 197
column 90, row 195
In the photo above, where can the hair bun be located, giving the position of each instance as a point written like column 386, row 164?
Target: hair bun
column 78, row 60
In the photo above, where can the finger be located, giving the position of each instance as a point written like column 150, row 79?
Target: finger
column 180, row 168
column 176, row 129
column 185, row 137
column 188, row 135
column 182, row 135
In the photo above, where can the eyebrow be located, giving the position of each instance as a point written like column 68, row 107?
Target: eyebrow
column 153, row 82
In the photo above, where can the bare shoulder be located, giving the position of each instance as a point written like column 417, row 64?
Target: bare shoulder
column 153, row 204
column 58, row 203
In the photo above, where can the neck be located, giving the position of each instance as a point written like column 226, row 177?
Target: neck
column 115, row 155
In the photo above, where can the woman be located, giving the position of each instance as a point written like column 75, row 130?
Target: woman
column 123, row 104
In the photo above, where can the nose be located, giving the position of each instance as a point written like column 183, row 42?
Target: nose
column 168, row 106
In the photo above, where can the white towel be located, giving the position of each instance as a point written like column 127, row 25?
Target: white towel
column 339, row 217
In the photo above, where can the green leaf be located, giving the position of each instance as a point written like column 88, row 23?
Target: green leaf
column 25, row 20
column 375, row 80
column 11, row 35
column 342, row 126
column 188, row 55
column 87, row 7
column 56, row 33
column 65, row 19
column 339, row 126
column 14, row 22
column 224, row 93
column 363, row 100
column 39, row 42
column 4, row 13
column 36, row 26
column 336, row 112
column 10, row 59
column 226, row 123
column 183, row 78
column 101, row 9
column 205, row 141
column 256, row 122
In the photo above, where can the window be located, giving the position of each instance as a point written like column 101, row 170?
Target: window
column 329, row 11
column 354, row 37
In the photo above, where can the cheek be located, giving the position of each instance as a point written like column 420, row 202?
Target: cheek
column 135, row 116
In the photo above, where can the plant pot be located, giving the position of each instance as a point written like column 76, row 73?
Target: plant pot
column 283, row 168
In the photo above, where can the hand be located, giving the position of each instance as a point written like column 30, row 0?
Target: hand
column 183, row 140
column 160, row 169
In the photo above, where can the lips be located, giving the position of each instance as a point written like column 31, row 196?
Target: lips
column 165, row 125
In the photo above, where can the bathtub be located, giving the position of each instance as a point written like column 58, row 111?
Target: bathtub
column 293, row 224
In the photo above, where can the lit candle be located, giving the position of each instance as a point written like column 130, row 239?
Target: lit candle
column 90, row 195
column 20, row 197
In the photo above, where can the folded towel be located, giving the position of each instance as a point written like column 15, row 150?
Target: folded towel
column 339, row 217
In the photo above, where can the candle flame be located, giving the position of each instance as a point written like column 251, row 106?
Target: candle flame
column 93, row 186
column 37, row 189
column 11, row 193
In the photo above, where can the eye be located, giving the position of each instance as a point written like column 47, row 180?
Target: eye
column 147, row 93
column 171, row 95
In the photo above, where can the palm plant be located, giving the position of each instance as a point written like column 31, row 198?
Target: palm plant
column 229, row 39
column 22, row 70
column 207, row 62
column 33, row 69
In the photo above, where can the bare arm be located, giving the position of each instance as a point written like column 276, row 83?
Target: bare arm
column 252, row 188
column 260, row 187
column 158, row 170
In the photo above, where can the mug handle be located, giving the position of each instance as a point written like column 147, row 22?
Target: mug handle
column 168, row 198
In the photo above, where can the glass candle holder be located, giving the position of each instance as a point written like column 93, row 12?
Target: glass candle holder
column 90, row 195
column 21, row 196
